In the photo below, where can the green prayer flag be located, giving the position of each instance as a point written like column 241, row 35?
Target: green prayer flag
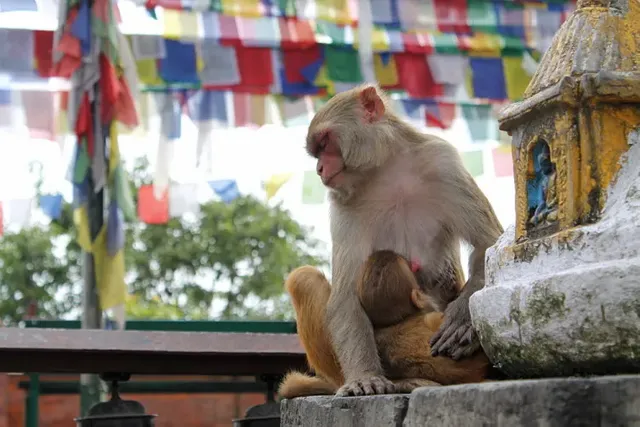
column 313, row 190
column 82, row 162
column 480, row 121
column 287, row 7
column 123, row 195
column 472, row 161
column 513, row 46
column 482, row 17
column 446, row 43
column 343, row 64
column 335, row 34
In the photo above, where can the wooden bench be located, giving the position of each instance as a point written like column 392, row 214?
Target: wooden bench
column 263, row 349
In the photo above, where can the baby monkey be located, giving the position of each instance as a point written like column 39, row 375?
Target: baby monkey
column 404, row 320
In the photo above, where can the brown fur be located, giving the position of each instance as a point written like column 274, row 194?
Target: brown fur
column 403, row 347
column 392, row 187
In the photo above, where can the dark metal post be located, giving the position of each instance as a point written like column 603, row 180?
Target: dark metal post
column 90, row 386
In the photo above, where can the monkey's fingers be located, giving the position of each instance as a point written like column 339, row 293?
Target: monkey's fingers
column 441, row 337
column 467, row 345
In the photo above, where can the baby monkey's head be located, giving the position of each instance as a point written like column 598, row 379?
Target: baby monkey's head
column 388, row 289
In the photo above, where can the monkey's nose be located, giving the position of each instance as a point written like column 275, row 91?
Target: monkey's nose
column 319, row 168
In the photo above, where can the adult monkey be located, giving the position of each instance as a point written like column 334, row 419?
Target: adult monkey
column 391, row 187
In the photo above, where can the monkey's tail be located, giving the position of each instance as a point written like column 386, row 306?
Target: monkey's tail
column 297, row 384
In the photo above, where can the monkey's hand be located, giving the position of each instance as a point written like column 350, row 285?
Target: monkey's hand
column 376, row 384
column 456, row 337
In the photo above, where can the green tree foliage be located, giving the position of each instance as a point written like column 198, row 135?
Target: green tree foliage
column 233, row 257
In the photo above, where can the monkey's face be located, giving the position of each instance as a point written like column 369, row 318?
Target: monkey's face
column 346, row 136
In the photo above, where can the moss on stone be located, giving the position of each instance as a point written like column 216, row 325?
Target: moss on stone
column 544, row 304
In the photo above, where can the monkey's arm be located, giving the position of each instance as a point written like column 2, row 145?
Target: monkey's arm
column 351, row 331
column 475, row 222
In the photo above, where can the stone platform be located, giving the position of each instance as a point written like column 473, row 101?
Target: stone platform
column 596, row 401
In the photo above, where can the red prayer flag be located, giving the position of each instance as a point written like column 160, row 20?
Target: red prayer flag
column 43, row 52
column 421, row 43
column 415, row 76
column 503, row 161
column 256, row 71
column 451, row 16
column 294, row 60
column 296, row 34
column 150, row 209
column 447, row 113
column 241, row 109
column 229, row 35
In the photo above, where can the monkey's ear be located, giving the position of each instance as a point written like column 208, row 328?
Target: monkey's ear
column 372, row 104
column 419, row 299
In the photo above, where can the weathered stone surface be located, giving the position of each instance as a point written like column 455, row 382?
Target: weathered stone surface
column 602, row 401
column 571, row 303
column 370, row 411
column 612, row 401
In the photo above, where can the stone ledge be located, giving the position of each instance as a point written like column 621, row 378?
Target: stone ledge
column 370, row 411
column 602, row 401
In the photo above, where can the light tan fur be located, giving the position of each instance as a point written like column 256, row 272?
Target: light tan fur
column 395, row 188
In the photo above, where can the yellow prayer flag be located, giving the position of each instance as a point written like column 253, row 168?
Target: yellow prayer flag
column 379, row 40
column 109, row 270
column 62, row 122
column 171, row 24
column 485, row 45
column 515, row 76
column 468, row 82
column 387, row 75
column 336, row 11
column 148, row 72
column 248, row 8
column 275, row 182
column 189, row 25
column 81, row 221
column 258, row 111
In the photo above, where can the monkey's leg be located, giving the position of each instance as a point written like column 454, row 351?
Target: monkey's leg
column 410, row 384
column 309, row 290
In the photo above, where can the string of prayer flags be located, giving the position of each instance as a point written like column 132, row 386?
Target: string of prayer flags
column 503, row 161
column 183, row 199
column 313, row 191
column 439, row 114
column 482, row 125
column 152, row 210
column 473, row 162
column 275, row 182
column 226, row 189
column 51, row 205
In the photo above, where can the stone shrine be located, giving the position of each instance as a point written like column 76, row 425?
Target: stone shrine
column 562, row 291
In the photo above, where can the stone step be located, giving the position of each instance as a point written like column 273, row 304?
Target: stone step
column 596, row 401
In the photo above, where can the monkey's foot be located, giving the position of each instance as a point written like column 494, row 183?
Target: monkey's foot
column 410, row 384
column 367, row 386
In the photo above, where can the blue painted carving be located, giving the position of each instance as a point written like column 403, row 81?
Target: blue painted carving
column 541, row 187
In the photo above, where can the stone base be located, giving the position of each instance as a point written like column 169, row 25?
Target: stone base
column 569, row 303
column 602, row 401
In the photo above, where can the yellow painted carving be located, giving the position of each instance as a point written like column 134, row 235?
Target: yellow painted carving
column 588, row 136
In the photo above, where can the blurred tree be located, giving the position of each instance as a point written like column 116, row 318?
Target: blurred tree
column 231, row 258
